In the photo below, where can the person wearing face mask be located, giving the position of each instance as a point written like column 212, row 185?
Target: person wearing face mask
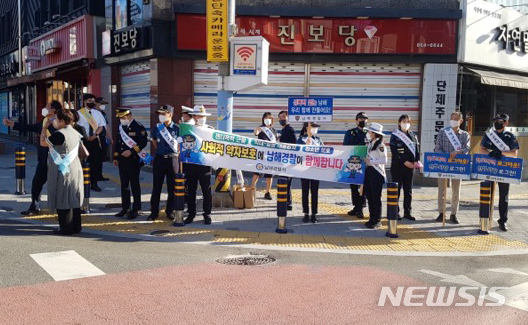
column 186, row 116
column 287, row 135
column 265, row 132
column 454, row 141
column 405, row 158
column 104, row 137
column 498, row 143
column 357, row 137
column 41, row 173
column 309, row 137
column 166, row 163
column 375, row 175
column 128, row 150
column 93, row 123
column 199, row 174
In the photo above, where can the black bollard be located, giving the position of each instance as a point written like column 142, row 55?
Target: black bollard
column 392, row 210
column 282, row 204
column 20, row 170
column 179, row 200
column 86, row 174
column 485, row 207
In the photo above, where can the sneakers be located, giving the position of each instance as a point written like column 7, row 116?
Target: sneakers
column 314, row 219
column 267, row 196
column 306, row 218
column 440, row 218
column 454, row 219
column 502, row 226
column 373, row 224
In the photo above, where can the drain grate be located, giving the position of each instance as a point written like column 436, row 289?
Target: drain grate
column 249, row 260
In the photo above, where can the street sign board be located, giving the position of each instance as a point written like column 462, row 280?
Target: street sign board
column 310, row 109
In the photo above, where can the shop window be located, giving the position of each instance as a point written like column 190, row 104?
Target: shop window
column 513, row 102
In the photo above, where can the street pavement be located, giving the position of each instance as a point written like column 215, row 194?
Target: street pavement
column 116, row 272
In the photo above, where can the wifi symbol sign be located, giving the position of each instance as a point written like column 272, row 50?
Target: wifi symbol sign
column 245, row 52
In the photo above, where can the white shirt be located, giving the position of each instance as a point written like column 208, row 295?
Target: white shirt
column 99, row 119
column 378, row 157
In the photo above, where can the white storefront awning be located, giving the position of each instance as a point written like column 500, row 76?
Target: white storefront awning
column 501, row 79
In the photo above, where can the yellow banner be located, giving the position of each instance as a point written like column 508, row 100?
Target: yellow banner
column 217, row 33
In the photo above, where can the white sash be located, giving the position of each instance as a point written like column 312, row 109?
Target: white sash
column 497, row 141
column 405, row 139
column 173, row 143
column 375, row 166
column 131, row 144
column 268, row 133
column 315, row 141
column 451, row 135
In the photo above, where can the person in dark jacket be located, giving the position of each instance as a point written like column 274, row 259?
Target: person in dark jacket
column 287, row 135
column 405, row 150
column 357, row 137
column 265, row 132
column 41, row 173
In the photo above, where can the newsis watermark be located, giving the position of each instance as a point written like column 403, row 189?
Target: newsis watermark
column 441, row 296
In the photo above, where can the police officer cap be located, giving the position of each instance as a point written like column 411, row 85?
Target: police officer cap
column 165, row 109
column 354, row 159
column 502, row 116
column 361, row 115
column 101, row 100
column 123, row 111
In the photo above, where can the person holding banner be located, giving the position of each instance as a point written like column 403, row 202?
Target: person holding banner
column 93, row 123
column 166, row 163
column 454, row 141
column 65, row 174
column 41, row 173
column 357, row 137
column 265, row 132
column 287, row 135
column 195, row 174
column 375, row 175
column 309, row 137
column 498, row 143
column 405, row 158
column 129, row 156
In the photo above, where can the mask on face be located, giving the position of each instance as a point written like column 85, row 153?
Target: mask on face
column 191, row 122
column 267, row 121
column 123, row 121
column 162, row 118
column 498, row 126
column 282, row 122
column 362, row 124
column 45, row 112
column 90, row 105
column 315, row 130
column 405, row 126
column 453, row 124
column 102, row 107
column 201, row 121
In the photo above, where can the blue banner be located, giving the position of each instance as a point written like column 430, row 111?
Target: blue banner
column 504, row 170
column 438, row 165
column 310, row 109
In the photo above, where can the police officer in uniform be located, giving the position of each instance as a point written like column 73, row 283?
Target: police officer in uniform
column 129, row 162
column 493, row 145
column 357, row 137
column 404, row 161
column 166, row 162
column 41, row 173
column 201, row 174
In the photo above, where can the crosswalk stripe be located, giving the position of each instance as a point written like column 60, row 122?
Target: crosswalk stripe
column 66, row 265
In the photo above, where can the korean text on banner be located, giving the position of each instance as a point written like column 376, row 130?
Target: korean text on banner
column 217, row 31
column 504, row 170
column 438, row 165
column 342, row 164
column 310, row 109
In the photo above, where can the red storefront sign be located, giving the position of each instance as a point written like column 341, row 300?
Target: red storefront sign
column 67, row 43
column 332, row 35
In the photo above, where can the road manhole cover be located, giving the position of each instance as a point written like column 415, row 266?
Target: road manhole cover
column 160, row 233
column 246, row 260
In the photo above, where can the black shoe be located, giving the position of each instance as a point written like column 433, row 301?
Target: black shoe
column 169, row 215
column 440, row 217
column 409, row 217
column 352, row 213
column 314, row 219
column 399, row 218
column 103, row 179
column 31, row 212
column 188, row 220
column 373, row 225
column 153, row 216
column 267, row 196
column 207, row 220
column 133, row 214
column 454, row 219
column 95, row 188
column 61, row 232
column 289, row 207
column 306, row 218
column 360, row 215
column 121, row 213
column 502, row 226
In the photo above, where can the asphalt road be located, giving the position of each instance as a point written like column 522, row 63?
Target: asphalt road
column 149, row 282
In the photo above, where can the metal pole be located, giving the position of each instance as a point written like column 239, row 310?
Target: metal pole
column 282, row 204
column 485, row 203
column 20, row 170
column 19, row 38
column 179, row 200
column 392, row 210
